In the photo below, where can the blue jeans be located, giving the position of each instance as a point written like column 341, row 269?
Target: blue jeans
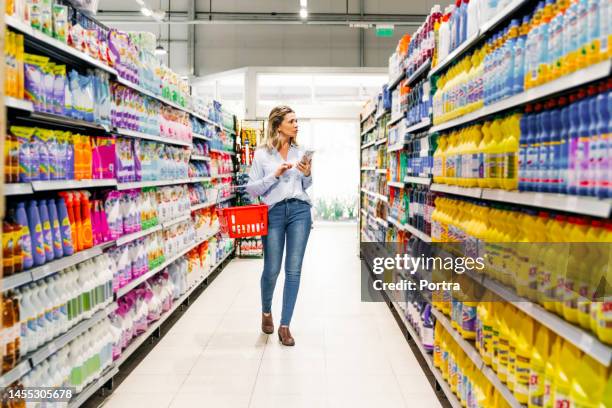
column 290, row 219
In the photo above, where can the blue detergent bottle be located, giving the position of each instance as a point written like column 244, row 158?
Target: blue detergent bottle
column 602, row 187
column 554, row 152
column 47, row 233
column 509, row 55
column 36, row 233
column 532, row 149
column 55, row 229
column 563, row 144
column 543, row 124
column 582, row 152
column 572, row 167
column 523, row 146
column 593, row 139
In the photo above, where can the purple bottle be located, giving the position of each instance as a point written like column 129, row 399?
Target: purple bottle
column 36, row 233
column 25, row 239
column 46, row 228
column 55, row 229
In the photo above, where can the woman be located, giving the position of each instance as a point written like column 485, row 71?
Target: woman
column 280, row 176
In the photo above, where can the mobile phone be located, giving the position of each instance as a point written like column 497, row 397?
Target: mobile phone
column 307, row 157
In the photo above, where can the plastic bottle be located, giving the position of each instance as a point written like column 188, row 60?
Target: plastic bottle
column 47, row 232
column 544, row 63
column 539, row 356
column 36, row 232
column 87, row 232
column 545, row 153
column 533, row 48
column 602, row 166
column 473, row 18
column 582, row 34
column 582, row 149
column 574, row 136
column 25, row 237
column 55, row 229
column 65, row 227
column 565, row 371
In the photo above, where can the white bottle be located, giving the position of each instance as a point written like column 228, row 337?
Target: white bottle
column 39, row 313
column 53, row 299
column 473, row 17
column 60, row 287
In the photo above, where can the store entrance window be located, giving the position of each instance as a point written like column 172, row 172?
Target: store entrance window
column 335, row 166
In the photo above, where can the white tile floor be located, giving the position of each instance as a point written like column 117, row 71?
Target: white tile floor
column 347, row 353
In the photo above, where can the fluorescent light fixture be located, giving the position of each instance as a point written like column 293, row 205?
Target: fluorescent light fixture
column 140, row 3
column 303, row 3
column 303, row 14
column 159, row 15
column 159, row 51
column 146, row 12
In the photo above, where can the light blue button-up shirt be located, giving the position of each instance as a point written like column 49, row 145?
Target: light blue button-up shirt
column 263, row 182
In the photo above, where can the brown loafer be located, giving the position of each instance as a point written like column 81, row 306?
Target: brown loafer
column 285, row 337
column 267, row 324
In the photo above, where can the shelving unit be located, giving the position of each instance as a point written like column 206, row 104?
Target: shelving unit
column 582, row 339
column 472, row 353
column 564, row 83
column 560, row 202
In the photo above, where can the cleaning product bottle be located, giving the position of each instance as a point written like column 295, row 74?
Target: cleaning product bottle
column 551, row 371
column 533, row 170
column 65, row 227
column 544, row 141
column 587, row 141
column 588, row 385
column 87, row 232
column 24, row 236
column 540, row 354
column 582, row 34
column 523, row 364
column 574, row 137
column 602, row 166
column 556, row 147
column 55, row 229
column 565, row 371
column 46, row 228
column 36, row 232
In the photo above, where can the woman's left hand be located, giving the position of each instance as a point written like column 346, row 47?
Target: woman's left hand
column 304, row 168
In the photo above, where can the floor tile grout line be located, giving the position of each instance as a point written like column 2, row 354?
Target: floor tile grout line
column 258, row 371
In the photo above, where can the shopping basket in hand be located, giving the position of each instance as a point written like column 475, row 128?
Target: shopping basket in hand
column 245, row 221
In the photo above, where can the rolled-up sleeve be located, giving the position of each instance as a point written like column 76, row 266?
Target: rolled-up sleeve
column 259, row 183
column 306, row 181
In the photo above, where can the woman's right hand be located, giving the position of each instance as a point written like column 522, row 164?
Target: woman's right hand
column 282, row 169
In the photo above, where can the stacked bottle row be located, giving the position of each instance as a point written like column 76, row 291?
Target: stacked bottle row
column 413, row 205
column 480, row 155
column 557, row 39
column 564, row 144
column 415, row 101
column 250, row 247
column 77, row 364
column 414, row 51
column 39, row 312
column 134, row 111
column 559, row 265
column 130, row 54
column 419, row 154
column 138, row 257
column 539, row 367
column 466, row 380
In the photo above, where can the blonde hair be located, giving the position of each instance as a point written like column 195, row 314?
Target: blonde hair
column 275, row 119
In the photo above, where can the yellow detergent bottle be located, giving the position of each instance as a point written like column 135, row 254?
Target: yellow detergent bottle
column 484, row 337
column 451, row 159
column 511, row 149
column 606, row 398
column 575, row 267
column 556, row 251
column 601, row 310
column 588, row 384
column 503, row 344
column 590, row 270
column 512, row 343
column 439, row 160
column 495, row 162
column 437, row 353
column 565, row 371
column 460, row 157
column 550, row 371
column 528, row 271
column 561, row 268
column 483, row 155
column 524, row 351
column 542, row 238
column 540, row 354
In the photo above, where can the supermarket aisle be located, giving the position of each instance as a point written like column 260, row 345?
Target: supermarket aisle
column 347, row 353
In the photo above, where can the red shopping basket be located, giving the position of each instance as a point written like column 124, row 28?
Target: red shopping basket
column 245, row 221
